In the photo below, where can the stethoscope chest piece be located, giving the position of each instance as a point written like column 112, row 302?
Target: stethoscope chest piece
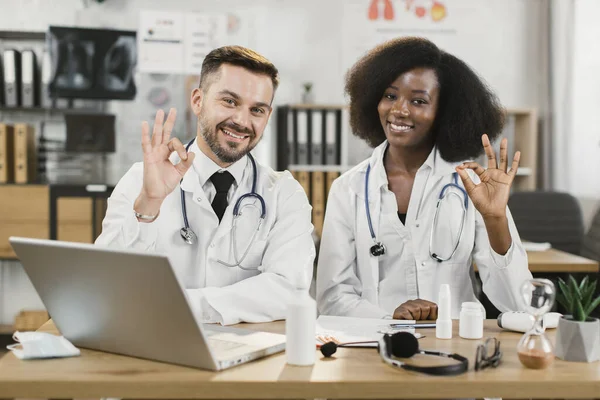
column 378, row 249
column 188, row 235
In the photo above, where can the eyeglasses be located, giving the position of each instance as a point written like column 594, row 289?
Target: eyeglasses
column 488, row 354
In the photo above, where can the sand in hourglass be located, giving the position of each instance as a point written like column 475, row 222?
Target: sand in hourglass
column 536, row 358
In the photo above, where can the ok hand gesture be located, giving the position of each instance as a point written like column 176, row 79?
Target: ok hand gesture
column 160, row 175
column 490, row 197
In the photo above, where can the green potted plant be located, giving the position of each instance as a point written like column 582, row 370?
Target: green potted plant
column 307, row 96
column 578, row 334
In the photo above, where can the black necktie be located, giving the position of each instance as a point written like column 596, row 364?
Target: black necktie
column 222, row 182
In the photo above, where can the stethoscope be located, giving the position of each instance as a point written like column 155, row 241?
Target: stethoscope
column 190, row 237
column 378, row 248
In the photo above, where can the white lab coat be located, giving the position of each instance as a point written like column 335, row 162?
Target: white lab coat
column 283, row 250
column 348, row 276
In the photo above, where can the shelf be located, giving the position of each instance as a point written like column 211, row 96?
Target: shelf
column 520, row 111
column 305, row 106
column 6, row 329
column 317, row 106
column 522, row 171
column 29, row 109
column 22, row 35
column 49, row 110
column 317, row 168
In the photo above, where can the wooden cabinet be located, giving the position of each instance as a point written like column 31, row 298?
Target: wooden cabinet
column 74, row 219
column 24, row 211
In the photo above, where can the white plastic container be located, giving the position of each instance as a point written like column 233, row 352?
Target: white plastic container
column 443, row 324
column 300, row 328
column 471, row 321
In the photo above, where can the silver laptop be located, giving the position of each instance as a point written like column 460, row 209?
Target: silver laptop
column 132, row 303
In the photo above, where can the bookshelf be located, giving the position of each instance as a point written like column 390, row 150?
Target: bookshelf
column 525, row 138
column 315, row 143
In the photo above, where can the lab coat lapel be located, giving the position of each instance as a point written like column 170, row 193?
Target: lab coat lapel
column 227, row 222
column 191, row 184
column 440, row 170
column 363, row 235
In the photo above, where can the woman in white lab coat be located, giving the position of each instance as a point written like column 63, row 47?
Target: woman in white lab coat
column 427, row 114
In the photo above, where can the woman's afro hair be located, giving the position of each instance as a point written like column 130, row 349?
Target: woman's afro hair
column 467, row 108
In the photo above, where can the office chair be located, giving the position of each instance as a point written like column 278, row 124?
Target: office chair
column 591, row 242
column 552, row 217
column 591, row 249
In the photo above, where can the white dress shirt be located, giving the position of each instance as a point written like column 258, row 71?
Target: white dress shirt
column 352, row 282
column 205, row 168
column 281, row 256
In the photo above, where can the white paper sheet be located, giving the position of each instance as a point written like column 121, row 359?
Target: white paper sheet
column 350, row 329
column 176, row 42
column 161, row 42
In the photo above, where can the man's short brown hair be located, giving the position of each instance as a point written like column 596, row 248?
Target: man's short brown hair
column 238, row 56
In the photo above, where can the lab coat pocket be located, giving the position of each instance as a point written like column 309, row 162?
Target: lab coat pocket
column 454, row 274
column 253, row 260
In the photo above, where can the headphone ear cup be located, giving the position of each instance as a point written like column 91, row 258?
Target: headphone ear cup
column 403, row 344
column 387, row 338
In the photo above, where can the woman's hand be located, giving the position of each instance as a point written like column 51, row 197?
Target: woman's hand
column 490, row 197
column 418, row 309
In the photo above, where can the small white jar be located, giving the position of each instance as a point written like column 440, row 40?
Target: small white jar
column 471, row 321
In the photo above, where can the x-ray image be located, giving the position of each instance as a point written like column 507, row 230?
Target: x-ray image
column 74, row 66
column 117, row 66
column 92, row 63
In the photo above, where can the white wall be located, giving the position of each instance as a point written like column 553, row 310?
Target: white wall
column 583, row 143
column 576, row 121
column 499, row 38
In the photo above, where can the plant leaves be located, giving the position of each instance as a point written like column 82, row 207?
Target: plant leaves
column 593, row 306
column 580, row 314
column 583, row 283
column 567, row 293
column 589, row 294
column 563, row 301
column 574, row 287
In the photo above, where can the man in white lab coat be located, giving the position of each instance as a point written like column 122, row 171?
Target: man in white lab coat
column 232, row 272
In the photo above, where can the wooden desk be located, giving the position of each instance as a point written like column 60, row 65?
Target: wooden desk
column 556, row 261
column 352, row 374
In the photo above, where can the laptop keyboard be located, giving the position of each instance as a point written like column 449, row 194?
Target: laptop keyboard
column 219, row 345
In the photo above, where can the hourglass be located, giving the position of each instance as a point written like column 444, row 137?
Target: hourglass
column 534, row 349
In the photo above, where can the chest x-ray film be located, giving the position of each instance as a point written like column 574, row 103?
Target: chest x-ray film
column 92, row 63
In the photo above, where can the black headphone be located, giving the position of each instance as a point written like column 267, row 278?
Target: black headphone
column 405, row 345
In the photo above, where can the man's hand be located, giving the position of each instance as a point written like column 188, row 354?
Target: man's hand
column 418, row 309
column 160, row 175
